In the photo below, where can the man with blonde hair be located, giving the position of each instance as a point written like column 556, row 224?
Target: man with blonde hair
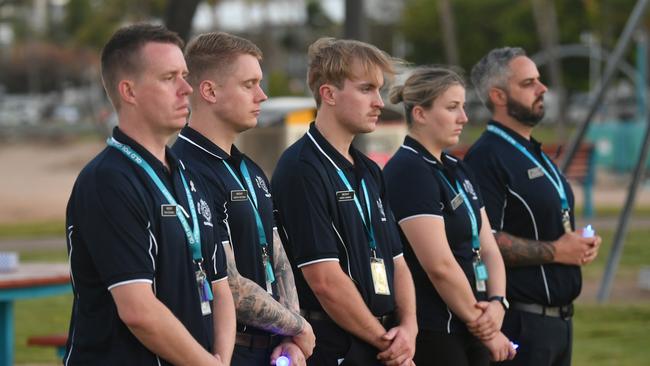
column 225, row 74
column 342, row 240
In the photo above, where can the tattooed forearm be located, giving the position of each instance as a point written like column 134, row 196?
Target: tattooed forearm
column 284, row 275
column 524, row 252
column 255, row 307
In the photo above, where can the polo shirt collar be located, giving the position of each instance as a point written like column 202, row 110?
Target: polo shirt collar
column 326, row 148
column 172, row 159
column 414, row 146
column 196, row 139
column 529, row 144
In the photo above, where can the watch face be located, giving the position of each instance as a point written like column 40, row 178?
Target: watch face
column 505, row 303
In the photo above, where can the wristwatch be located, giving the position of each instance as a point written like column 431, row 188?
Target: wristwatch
column 502, row 300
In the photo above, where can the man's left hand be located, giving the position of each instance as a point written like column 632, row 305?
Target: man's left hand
column 402, row 347
column 489, row 323
column 291, row 350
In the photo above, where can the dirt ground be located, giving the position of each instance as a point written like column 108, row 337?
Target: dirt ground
column 38, row 178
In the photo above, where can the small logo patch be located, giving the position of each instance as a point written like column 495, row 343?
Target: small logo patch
column 240, row 195
column 262, row 185
column 380, row 206
column 343, row 196
column 168, row 210
column 204, row 209
column 535, row 173
column 469, row 188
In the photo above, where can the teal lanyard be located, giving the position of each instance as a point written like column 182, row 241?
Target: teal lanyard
column 367, row 223
column 557, row 182
column 476, row 243
column 193, row 235
column 258, row 219
column 253, row 201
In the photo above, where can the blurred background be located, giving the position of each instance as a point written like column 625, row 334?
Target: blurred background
column 54, row 117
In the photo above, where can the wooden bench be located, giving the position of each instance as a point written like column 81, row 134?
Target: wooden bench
column 57, row 341
column 582, row 169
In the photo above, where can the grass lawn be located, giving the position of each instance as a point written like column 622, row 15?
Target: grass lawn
column 612, row 334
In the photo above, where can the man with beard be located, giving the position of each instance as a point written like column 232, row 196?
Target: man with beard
column 530, row 206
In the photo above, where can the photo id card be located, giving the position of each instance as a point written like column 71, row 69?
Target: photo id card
column 379, row 278
column 481, row 275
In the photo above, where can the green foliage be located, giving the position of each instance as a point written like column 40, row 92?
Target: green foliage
column 39, row 229
column 40, row 316
column 483, row 25
column 91, row 23
column 611, row 335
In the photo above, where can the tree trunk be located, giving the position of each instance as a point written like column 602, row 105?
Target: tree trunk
column 179, row 15
column 448, row 26
column 547, row 30
column 355, row 20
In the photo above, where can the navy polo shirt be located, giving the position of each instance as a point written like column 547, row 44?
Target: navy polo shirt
column 233, row 214
column 117, row 235
column 527, row 206
column 320, row 225
column 416, row 189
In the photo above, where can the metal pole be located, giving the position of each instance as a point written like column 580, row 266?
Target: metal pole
column 612, row 64
column 621, row 231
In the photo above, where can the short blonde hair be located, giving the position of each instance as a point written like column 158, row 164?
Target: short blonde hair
column 216, row 51
column 330, row 62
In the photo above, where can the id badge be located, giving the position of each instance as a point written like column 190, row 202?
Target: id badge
column 480, row 274
column 566, row 221
column 379, row 278
column 205, row 294
column 456, row 202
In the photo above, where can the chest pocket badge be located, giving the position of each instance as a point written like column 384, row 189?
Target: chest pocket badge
column 535, row 173
column 343, row 196
column 238, row 195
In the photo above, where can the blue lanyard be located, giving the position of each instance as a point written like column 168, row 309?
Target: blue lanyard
column 476, row 243
column 557, row 182
column 193, row 235
column 253, row 201
column 367, row 224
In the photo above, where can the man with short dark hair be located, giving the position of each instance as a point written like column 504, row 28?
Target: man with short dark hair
column 225, row 73
column 149, row 283
column 530, row 206
column 340, row 235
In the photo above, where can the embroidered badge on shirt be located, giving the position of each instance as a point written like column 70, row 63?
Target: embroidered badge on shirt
column 262, row 185
column 469, row 188
column 535, row 173
column 380, row 206
column 204, row 209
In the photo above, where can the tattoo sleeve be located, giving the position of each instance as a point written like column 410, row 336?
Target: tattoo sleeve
column 284, row 275
column 255, row 307
column 518, row 251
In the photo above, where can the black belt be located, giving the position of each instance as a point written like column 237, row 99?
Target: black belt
column 564, row 312
column 386, row 320
column 264, row 341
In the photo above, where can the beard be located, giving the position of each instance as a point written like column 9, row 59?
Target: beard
column 524, row 114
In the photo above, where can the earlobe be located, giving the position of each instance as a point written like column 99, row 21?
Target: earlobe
column 127, row 92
